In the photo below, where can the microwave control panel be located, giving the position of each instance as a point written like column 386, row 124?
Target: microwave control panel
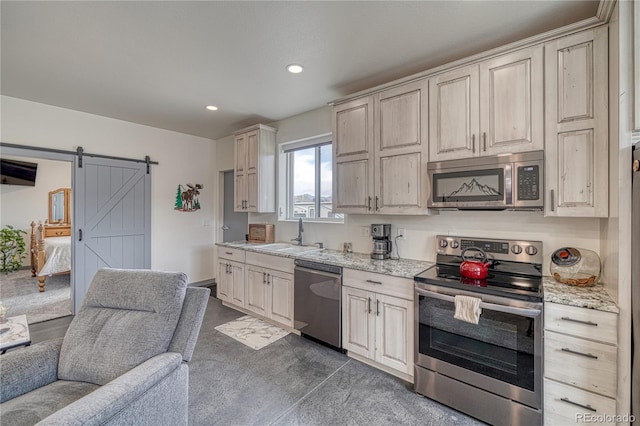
column 528, row 179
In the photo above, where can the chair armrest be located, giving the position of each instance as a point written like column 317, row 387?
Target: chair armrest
column 24, row 370
column 112, row 399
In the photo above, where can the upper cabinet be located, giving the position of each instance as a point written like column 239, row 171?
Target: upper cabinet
column 489, row 108
column 254, row 169
column 380, row 145
column 576, row 150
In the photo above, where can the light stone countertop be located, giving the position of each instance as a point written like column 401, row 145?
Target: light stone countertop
column 595, row 297
column 404, row 268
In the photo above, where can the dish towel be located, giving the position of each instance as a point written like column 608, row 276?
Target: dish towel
column 467, row 309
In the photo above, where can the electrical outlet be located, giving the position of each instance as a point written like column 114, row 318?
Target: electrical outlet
column 364, row 231
column 402, row 234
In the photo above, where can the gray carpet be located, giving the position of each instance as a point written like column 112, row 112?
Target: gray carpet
column 20, row 295
column 294, row 381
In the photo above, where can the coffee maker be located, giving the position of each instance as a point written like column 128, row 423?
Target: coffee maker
column 381, row 234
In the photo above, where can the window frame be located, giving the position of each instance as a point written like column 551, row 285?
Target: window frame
column 286, row 170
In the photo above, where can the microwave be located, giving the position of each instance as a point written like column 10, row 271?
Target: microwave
column 501, row 182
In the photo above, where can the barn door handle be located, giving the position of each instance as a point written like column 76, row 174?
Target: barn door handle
column 79, row 234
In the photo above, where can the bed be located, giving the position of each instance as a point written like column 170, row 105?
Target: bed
column 50, row 252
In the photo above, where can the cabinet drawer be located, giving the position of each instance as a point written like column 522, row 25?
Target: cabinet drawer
column 581, row 322
column 63, row 231
column 279, row 263
column 232, row 254
column 379, row 283
column 560, row 405
column 582, row 363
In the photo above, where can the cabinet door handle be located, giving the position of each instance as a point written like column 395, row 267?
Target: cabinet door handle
column 595, row 324
column 579, row 353
column 268, row 279
column 264, row 278
column 377, row 307
column 473, row 143
column 376, row 202
column 369, row 299
column 553, row 201
column 586, row 407
column 484, row 141
column 374, row 282
column 369, row 204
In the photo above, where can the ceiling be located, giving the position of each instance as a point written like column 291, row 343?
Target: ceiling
column 160, row 63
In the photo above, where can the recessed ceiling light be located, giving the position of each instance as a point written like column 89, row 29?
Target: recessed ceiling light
column 294, row 68
column 211, row 108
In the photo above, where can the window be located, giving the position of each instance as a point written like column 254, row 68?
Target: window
column 309, row 179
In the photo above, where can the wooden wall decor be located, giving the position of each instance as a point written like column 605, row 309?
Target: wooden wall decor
column 187, row 198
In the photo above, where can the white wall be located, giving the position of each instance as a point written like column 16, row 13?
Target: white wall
column 179, row 241
column 20, row 205
column 421, row 230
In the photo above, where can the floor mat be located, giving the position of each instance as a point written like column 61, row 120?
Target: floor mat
column 252, row 332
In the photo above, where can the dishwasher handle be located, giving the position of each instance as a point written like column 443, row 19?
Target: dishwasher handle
column 317, row 272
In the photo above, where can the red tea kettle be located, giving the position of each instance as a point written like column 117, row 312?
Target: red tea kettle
column 477, row 269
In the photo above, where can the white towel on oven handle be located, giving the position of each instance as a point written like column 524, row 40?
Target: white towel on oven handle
column 467, row 308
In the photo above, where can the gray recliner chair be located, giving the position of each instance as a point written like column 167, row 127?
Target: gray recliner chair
column 123, row 359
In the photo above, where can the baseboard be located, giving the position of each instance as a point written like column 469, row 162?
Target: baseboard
column 372, row 363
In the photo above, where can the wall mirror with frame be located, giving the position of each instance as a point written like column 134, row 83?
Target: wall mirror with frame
column 59, row 202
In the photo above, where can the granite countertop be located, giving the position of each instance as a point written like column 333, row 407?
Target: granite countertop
column 404, row 268
column 595, row 297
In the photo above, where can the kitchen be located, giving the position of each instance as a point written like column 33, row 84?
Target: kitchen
column 605, row 233
column 419, row 233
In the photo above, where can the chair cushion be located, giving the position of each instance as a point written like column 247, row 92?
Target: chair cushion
column 32, row 407
column 127, row 317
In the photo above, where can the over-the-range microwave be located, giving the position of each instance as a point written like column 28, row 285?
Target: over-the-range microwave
column 501, row 182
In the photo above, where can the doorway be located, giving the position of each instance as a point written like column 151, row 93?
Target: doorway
column 234, row 224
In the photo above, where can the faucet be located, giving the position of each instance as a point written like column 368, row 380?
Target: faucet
column 300, row 231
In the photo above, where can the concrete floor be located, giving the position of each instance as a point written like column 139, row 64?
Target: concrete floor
column 294, row 381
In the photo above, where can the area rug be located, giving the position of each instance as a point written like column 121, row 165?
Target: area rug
column 19, row 294
column 252, row 332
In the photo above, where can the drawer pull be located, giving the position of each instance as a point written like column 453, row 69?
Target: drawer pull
column 374, row 282
column 369, row 304
column 579, row 353
column 229, row 253
column 586, row 407
column 595, row 324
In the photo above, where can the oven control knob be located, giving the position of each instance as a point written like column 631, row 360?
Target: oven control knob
column 516, row 249
column 531, row 250
column 443, row 243
column 455, row 244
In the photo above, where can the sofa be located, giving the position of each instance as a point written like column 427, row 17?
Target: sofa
column 123, row 360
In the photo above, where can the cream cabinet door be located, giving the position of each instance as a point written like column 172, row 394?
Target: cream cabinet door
column 358, row 322
column 253, row 164
column 576, row 150
column 453, row 114
column 353, row 156
column 511, row 103
column 281, row 297
column 236, row 284
column 256, row 290
column 240, row 149
column 400, row 117
column 223, row 281
column 394, row 333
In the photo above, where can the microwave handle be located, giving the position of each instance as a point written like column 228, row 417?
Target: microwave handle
column 530, row 313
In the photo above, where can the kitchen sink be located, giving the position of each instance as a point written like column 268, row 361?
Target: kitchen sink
column 273, row 247
column 298, row 249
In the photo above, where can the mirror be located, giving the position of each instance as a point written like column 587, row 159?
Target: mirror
column 59, row 205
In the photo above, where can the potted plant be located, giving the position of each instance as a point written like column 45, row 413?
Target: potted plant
column 12, row 249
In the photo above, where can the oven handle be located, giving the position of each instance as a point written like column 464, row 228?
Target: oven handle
column 531, row 313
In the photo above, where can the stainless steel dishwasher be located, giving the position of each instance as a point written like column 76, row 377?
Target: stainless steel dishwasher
column 317, row 302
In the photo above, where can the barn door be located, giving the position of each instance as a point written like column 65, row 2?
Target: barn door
column 112, row 218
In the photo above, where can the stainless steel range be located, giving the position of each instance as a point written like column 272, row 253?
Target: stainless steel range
column 492, row 369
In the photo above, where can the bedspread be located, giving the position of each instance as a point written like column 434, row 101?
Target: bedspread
column 58, row 255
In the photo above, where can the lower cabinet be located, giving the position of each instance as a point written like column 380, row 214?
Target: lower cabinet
column 378, row 326
column 580, row 365
column 265, row 291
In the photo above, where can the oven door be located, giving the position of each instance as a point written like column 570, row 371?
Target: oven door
column 501, row 354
